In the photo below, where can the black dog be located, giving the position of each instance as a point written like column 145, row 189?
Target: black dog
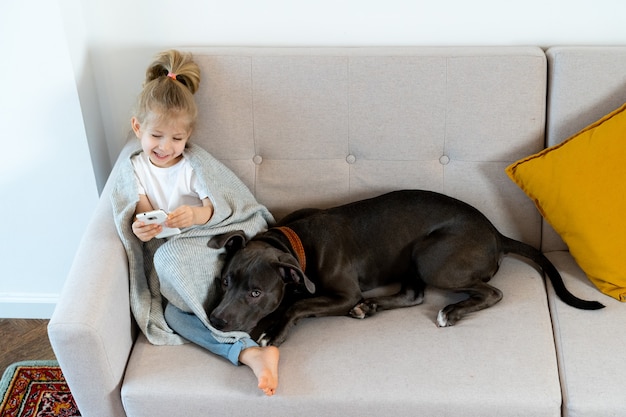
column 329, row 257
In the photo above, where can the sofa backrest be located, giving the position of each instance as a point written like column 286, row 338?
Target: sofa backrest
column 317, row 127
column 585, row 83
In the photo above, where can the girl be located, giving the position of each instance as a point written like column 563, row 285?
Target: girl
column 167, row 179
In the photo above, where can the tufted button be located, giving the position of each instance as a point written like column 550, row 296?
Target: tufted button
column 444, row 160
column 257, row 159
column 351, row 159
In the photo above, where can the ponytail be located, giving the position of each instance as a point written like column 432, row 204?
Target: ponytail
column 171, row 81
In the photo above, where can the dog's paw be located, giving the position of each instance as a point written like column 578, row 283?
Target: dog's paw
column 446, row 318
column 357, row 312
column 442, row 319
column 364, row 309
column 263, row 340
column 268, row 340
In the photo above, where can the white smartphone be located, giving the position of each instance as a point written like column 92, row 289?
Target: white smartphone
column 158, row 217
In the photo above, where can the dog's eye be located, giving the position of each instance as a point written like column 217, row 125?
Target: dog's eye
column 255, row 293
column 226, row 281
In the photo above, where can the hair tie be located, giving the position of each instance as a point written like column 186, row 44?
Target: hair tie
column 171, row 75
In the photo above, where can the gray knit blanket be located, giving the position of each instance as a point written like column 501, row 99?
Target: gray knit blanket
column 183, row 269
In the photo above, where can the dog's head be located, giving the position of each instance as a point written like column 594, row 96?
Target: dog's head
column 254, row 280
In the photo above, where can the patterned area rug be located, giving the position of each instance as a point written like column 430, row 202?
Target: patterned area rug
column 36, row 389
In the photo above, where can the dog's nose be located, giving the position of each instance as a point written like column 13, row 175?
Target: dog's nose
column 217, row 322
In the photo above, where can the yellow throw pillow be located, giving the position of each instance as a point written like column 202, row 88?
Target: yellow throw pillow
column 579, row 187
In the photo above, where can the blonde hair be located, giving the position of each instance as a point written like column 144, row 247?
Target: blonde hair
column 171, row 81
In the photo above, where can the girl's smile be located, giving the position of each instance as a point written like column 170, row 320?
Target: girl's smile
column 159, row 159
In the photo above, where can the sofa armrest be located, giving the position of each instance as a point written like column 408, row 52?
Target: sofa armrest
column 92, row 330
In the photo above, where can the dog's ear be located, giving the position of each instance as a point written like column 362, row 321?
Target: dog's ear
column 293, row 273
column 232, row 241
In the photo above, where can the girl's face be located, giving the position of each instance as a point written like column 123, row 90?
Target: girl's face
column 163, row 138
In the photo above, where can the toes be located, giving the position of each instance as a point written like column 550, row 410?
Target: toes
column 267, row 390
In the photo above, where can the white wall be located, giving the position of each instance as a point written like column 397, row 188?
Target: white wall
column 69, row 97
column 46, row 178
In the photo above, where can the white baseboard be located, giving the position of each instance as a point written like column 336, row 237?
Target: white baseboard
column 27, row 305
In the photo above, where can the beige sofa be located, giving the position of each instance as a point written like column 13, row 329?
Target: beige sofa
column 323, row 126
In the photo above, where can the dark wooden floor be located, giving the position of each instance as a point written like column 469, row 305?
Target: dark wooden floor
column 23, row 340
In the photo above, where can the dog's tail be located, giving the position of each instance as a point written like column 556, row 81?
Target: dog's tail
column 514, row 246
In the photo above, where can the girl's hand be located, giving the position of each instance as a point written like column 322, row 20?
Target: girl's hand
column 146, row 232
column 185, row 216
column 182, row 217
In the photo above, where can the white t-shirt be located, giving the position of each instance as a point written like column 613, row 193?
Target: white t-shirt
column 167, row 188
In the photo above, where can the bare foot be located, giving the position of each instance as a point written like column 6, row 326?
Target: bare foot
column 264, row 363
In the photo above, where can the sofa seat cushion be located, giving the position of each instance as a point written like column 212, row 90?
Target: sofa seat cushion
column 497, row 362
column 590, row 347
